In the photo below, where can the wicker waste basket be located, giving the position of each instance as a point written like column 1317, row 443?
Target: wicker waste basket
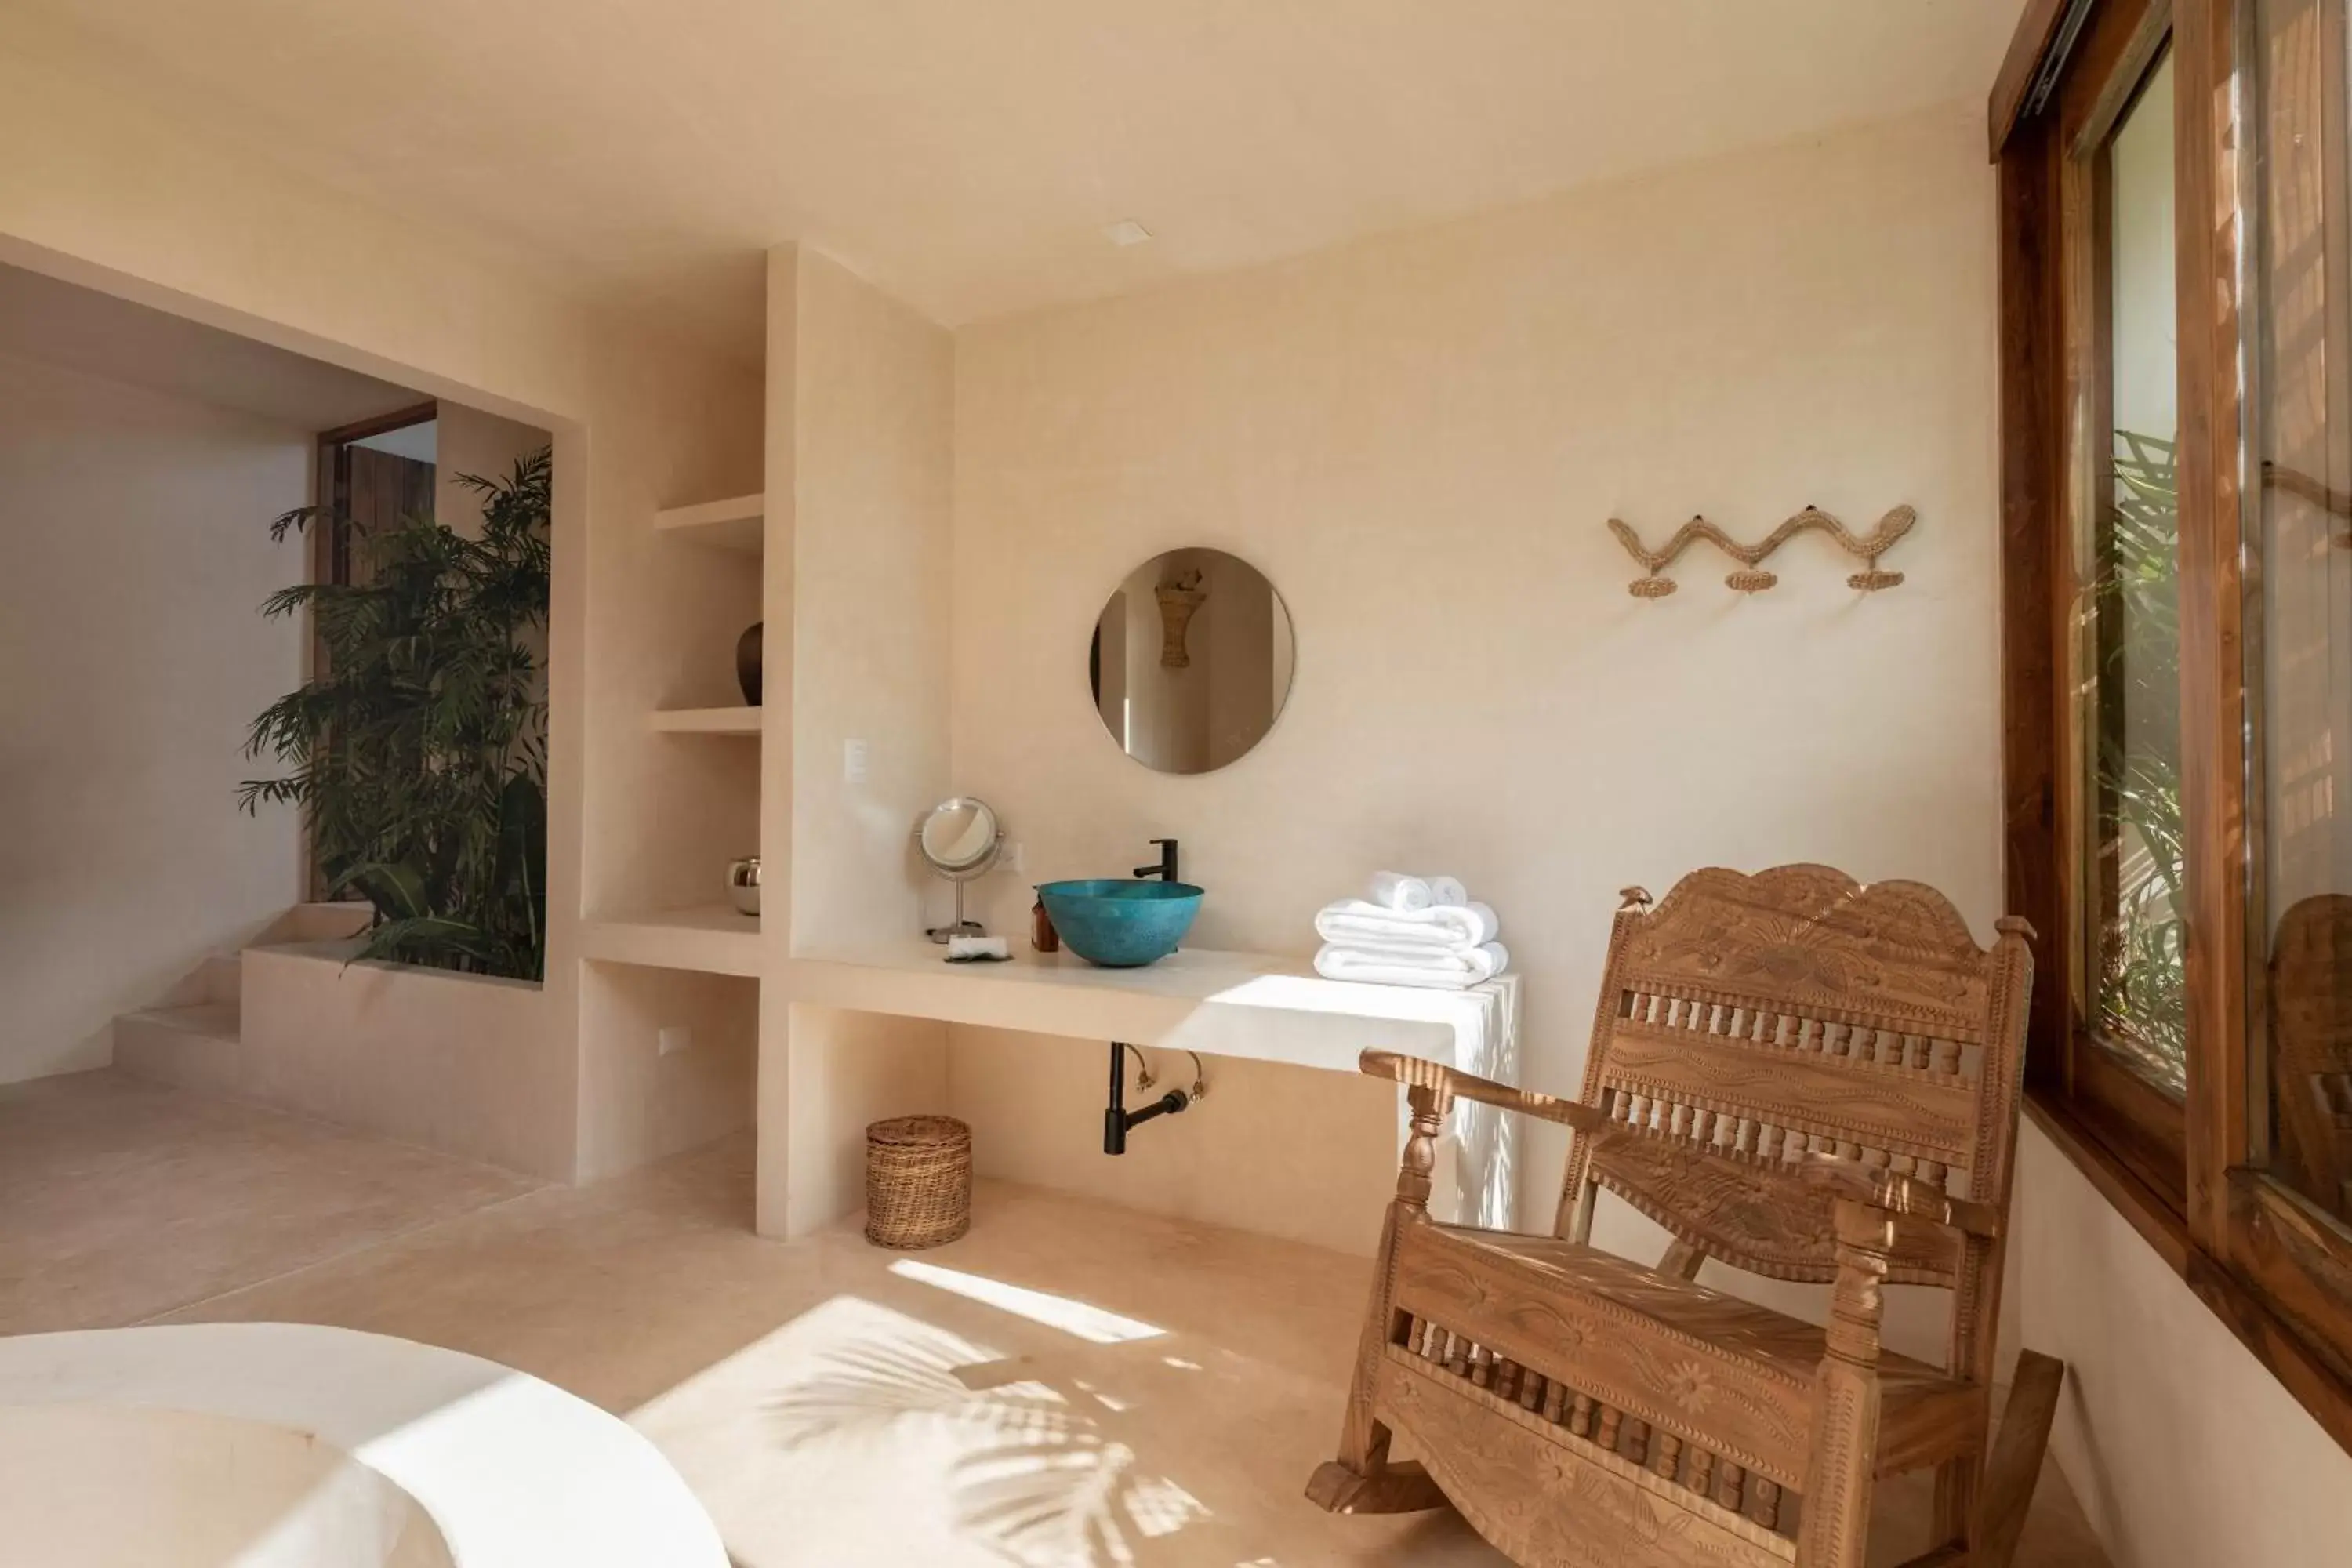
column 918, row 1181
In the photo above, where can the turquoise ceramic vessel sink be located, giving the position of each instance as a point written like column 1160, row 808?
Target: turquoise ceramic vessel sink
column 1121, row 924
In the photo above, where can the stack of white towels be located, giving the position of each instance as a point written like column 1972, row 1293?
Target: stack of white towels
column 1410, row 931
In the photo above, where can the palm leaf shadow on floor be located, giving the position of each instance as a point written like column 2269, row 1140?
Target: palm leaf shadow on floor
column 1043, row 1485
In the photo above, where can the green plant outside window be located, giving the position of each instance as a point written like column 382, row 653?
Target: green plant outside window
column 2140, row 855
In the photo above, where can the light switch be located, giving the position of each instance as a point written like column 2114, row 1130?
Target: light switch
column 673, row 1039
column 853, row 762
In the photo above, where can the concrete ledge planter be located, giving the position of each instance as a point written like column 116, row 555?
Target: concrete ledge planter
column 466, row 1064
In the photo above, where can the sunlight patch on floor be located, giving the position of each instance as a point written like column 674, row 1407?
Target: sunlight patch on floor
column 1088, row 1322
column 851, row 1430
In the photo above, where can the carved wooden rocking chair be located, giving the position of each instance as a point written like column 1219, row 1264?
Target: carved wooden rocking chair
column 1794, row 1075
column 2311, row 1019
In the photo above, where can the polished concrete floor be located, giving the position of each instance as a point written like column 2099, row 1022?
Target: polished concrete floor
column 1071, row 1383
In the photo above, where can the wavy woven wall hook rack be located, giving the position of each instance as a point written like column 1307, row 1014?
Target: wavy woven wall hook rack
column 1752, row 579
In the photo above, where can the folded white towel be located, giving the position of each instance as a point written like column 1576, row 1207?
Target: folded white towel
column 1450, row 971
column 1442, row 926
column 970, row 947
column 1395, row 890
column 1426, row 953
column 1447, row 890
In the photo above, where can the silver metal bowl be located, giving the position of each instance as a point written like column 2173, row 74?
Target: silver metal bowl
column 743, row 884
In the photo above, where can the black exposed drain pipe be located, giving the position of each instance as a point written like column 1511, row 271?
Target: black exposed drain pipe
column 1116, row 1119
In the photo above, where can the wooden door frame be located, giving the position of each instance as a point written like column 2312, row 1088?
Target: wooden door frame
column 332, row 493
column 333, row 477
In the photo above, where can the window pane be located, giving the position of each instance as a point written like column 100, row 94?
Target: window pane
column 2128, row 660
column 2299, row 610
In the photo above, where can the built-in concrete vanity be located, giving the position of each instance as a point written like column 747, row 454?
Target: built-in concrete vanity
column 1223, row 1004
column 1220, row 1004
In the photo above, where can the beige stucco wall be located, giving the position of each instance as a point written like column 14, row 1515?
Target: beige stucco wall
column 860, row 450
column 2183, row 1449
column 873, row 414
column 470, row 441
column 134, row 556
column 1419, row 439
column 638, row 1104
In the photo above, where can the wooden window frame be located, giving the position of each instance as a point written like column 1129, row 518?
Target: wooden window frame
column 2259, row 1257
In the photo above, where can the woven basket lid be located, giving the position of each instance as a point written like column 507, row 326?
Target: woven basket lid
column 919, row 1131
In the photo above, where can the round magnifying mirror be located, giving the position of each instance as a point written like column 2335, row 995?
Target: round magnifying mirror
column 960, row 837
column 1190, row 661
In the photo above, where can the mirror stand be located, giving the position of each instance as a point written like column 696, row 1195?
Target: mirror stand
column 963, row 927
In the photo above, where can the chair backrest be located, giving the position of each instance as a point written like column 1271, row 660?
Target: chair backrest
column 1748, row 1019
column 2311, row 1024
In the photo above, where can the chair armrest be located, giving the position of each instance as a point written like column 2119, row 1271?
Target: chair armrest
column 1418, row 1072
column 1893, row 1193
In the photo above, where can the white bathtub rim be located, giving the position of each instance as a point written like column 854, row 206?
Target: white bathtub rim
column 513, row 1471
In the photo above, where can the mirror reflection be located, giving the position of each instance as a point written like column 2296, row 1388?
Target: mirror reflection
column 960, row 835
column 1191, row 661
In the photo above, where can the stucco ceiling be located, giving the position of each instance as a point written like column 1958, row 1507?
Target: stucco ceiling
column 78, row 329
column 967, row 153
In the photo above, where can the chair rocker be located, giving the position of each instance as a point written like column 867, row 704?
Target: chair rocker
column 1799, row 1077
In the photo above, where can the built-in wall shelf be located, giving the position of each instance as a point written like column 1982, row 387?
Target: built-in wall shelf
column 1216, row 1003
column 734, row 721
column 709, row 938
column 735, row 524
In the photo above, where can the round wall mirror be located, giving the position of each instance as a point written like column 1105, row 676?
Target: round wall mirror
column 1190, row 661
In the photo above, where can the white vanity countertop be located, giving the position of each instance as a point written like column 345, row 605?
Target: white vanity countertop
column 1251, row 1004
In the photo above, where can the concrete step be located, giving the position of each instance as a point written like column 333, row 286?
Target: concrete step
column 195, row 1046
column 218, row 979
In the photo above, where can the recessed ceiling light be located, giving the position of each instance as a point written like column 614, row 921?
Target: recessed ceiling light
column 1127, row 231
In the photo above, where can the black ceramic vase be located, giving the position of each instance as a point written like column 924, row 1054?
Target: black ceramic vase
column 747, row 663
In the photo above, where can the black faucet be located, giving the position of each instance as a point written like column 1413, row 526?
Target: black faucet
column 1166, row 869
